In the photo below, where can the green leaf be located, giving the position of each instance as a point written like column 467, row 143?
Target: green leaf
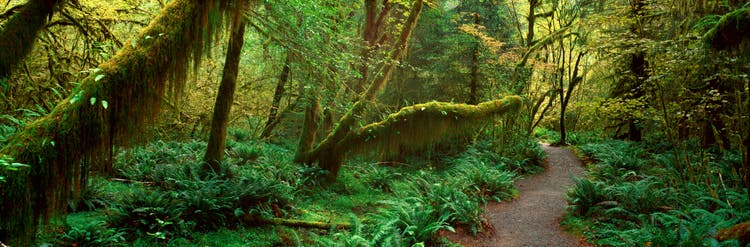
column 77, row 97
column 134, row 43
column 99, row 77
column 92, row 100
column 105, row 104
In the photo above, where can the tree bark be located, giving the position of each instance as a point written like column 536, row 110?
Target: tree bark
column 19, row 33
column 277, row 95
column 223, row 104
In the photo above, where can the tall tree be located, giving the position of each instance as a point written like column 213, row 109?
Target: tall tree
column 109, row 107
column 225, row 97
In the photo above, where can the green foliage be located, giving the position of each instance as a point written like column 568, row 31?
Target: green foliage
column 151, row 213
column 483, row 179
column 621, row 204
column 92, row 234
column 408, row 222
column 616, row 160
column 546, row 135
column 584, row 196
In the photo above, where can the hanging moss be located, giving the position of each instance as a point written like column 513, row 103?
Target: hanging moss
column 416, row 127
column 108, row 108
column 731, row 30
column 19, row 33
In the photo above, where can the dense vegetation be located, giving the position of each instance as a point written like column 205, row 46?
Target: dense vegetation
column 368, row 123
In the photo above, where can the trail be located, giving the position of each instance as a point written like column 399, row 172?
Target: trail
column 533, row 218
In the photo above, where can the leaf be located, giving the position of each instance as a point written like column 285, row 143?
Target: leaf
column 77, row 97
column 92, row 100
column 105, row 104
column 99, row 77
column 134, row 43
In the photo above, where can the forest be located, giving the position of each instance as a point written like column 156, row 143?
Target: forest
column 374, row 123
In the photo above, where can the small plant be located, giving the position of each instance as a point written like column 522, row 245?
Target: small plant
column 585, row 195
column 94, row 233
column 246, row 152
column 154, row 214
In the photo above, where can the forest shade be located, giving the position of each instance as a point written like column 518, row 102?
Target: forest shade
column 20, row 33
column 110, row 105
column 731, row 30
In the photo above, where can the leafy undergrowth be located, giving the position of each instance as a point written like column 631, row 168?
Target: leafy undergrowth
column 158, row 196
column 636, row 194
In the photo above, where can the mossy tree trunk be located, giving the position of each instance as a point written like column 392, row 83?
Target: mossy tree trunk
column 108, row 108
column 19, row 33
column 223, row 105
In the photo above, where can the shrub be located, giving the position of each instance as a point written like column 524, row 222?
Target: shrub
column 585, row 195
column 408, row 222
column 93, row 233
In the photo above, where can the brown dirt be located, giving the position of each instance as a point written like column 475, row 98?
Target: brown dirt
column 532, row 219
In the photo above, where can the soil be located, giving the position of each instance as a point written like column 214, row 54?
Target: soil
column 533, row 218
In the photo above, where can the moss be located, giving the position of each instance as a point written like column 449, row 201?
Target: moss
column 731, row 31
column 20, row 33
column 109, row 108
column 416, row 127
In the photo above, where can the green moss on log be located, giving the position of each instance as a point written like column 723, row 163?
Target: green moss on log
column 108, row 108
column 731, row 30
column 19, row 33
column 416, row 127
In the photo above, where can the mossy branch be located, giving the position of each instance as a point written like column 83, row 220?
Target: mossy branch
column 120, row 97
column 416, row 127
column 731, row 30
column 297, row 223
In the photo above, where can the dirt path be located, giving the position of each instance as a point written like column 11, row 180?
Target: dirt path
column 533, row 218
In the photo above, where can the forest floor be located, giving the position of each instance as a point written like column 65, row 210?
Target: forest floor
column 533, row 218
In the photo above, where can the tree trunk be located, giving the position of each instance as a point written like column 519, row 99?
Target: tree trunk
column 473, row 84
column 277, row 95
column 638, row 67
column 19, row 33
column 372, row 36
column 223, row 104
column 119, row 98
column 308, row 136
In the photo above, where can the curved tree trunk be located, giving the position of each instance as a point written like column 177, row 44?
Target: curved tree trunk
column 119, row 97
column 19, row 34
column 223, row 105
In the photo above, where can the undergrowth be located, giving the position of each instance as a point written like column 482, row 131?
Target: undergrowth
column 157, row 197
column 652, row 194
